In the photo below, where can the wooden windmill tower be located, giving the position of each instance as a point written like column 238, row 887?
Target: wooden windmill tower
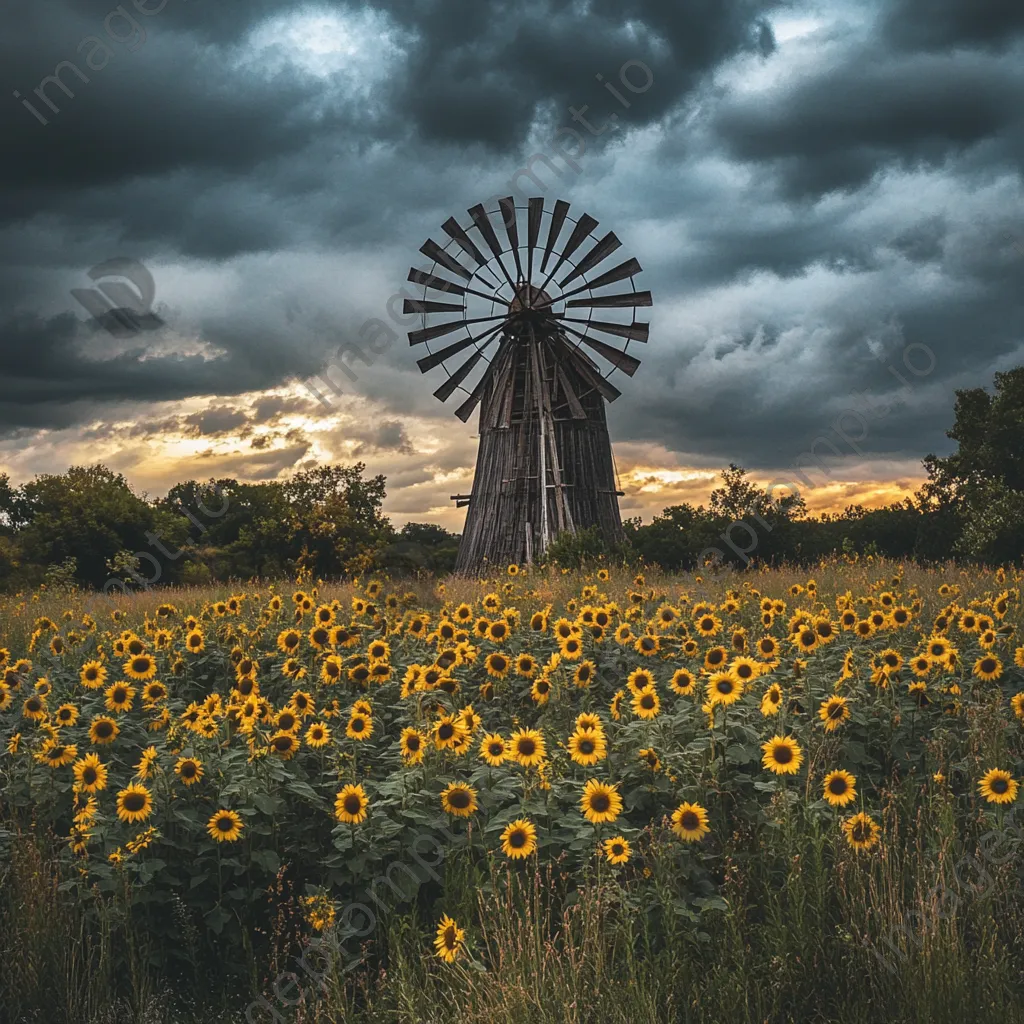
column 526, row 318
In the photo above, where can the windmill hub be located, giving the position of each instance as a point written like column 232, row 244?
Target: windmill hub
column 545, row 461
column 530, row 297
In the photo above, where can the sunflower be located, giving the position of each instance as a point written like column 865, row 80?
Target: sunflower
column 771, row 701
column 519, row 839
column 624, row 635
column 90, row 774
column 988, row 667
column 103, row 730
column 724, row 688
column 1017, row 703
column 66, row 715
column 617, row 850
column 646, row 704
column 584, row 673
column 527, row 747
column 450, row 939
column 861, row 831
column 998, row 786
column 351, row 805
column 715, row 658
column 318, row 735
column 134, row 803
column 57, row 754
column 615, row 707
column 93, row 675
column 153, row 692
column 330, row 671
column 834, row 711
column 189, row 770
column 284, row 745
column 497, row 664
column 288, row 641
column 449, row 732
column 600, row 802
column 708, row 624
column 360, row 727
column 782, row 755
column 682, row 682
column 493, row 749
column 142, row 666
column 839, row 788
column 120, row 697
column 459, row 800
column 224, row 826
column 745, row 669
column 690, row 822
column 526, row 666
column 587, row 747
column 410, row 743
column 34, row 708
column 647, row 645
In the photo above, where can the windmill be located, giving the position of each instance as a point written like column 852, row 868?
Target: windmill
column 538, row 328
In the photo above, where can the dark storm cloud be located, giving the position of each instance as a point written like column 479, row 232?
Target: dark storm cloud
column 192, row 151
column 949, row 24
column 836, row 129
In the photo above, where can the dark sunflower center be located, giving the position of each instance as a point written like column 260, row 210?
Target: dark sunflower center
column 283, row 743
column 496, row 750
column 600, row 802
column 988, row 665
column 353, row 804
column 459, row 799
column 586, row 746
column 446, row 731
column 837, row 787
column 141, row 664
column 134, row 802
column 724, row 686
column 999, row 786
column 647, row 701
column 783, row 754
column 617, row 849
column 34, row 704
column 89, row 775
column 413, row 743
column 836, row 711
column 517, row 839
column 225, row 824
column 358, row 725
column 527, row 747
column 104, row 729
column 449, row 936
column 689, row 820
column 188, row 769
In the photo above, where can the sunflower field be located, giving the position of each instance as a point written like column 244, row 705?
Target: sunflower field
column 518, row 792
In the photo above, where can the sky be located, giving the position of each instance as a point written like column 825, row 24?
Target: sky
column 826, row 199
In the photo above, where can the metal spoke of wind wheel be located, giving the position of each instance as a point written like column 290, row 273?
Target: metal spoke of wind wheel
column 528, row 314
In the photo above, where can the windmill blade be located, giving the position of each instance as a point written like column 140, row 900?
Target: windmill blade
column 429, row 306
column 584, row 227
column 508, row 213
column 557, row 220
column 582, row 365
column 486, row 229
column 621, row 301
column 438, row 283
column 430, row 333
column 628, row 269
column 601, row 251
column 453, row 229
column 636, row 331
column 465, row 410
column 436, row 358
column 617, row 357
column 620, row 360
column 433, row 251
column 447, row 389
column 533, row 232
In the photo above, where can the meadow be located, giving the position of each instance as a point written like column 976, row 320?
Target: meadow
column 602, row 795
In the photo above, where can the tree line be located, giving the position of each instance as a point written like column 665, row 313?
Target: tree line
column 88, row 527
